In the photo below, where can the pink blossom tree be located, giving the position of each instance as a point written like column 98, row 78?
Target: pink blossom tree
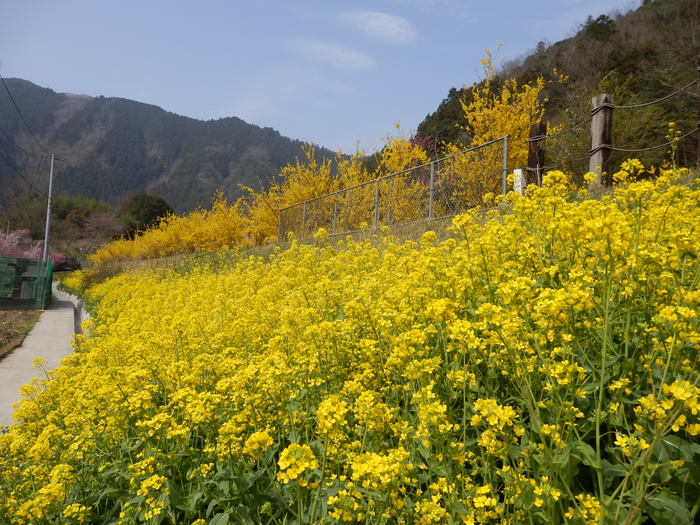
column 19, row 244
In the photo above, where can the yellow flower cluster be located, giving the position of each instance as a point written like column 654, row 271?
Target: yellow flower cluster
column 294, row 460
column 379, row 471
column 539, row 365
column 630, row 444
column 589, row 510
column 257, row 443
column 76, row 513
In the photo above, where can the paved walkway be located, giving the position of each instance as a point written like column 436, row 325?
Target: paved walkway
column 50, row 339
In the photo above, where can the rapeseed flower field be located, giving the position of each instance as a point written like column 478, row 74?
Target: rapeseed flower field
column 540, row 366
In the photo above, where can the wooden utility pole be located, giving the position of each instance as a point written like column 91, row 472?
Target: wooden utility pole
column 697, row 161
column 535, row 153
column 601, row 138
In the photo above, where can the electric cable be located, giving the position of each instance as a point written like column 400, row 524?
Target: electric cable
column 22, row 175
column 14, row 103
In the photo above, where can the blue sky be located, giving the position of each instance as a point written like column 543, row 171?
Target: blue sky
column 333, row 72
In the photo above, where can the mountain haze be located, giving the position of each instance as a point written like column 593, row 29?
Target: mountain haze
column 113, row 147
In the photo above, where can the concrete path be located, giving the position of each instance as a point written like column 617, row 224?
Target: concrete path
column 50, row 338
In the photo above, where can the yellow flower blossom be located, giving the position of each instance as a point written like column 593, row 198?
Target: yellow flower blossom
column 294, row 461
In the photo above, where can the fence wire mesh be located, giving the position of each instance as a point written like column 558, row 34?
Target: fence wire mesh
column 25, row 282
column 442, row 188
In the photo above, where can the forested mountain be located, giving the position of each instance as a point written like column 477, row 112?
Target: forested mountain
column 112, row 147
column 638, row 56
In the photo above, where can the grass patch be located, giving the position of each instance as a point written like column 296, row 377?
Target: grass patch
column 14, row 327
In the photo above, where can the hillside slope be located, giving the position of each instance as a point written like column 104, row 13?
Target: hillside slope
column 115, row 147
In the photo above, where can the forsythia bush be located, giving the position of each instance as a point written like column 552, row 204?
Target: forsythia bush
column 254, row 220
column 541, row 367
column 202, row 230
column 491, row 113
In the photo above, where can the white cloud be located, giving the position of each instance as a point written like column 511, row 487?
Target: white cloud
column 271, row 96
column 425, row 4
column 336, row 55
column 382, row 26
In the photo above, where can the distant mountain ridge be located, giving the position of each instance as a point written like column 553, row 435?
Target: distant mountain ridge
column 114, row 147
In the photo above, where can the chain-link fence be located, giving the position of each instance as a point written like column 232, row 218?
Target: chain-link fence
column 25, row 283
column 442, row 188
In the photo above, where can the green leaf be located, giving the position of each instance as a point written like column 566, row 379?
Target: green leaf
column 212, row 504
column 424, row 452
column 666, row 509
column 612, row 469
column 243, row 514
column 561, row 459
column 224, row 487
column 616, row 513
column 193, row 498
column 587, row 455
column 673, row 447
column 220, row 519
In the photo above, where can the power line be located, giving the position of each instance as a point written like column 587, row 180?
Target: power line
column 22, row 116
column 625, row 150
column 565, row 130
column 13, row 143
column 608, row 105
column 39, row 159
column 644, row 104
column 22, row 175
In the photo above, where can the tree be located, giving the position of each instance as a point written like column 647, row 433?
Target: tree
column 143, row 211
column 494, row 109
column 19, row 244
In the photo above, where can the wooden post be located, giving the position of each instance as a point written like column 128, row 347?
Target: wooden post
column 535, row 153
column 697, row 161
column 601, row 138
column 279, row 226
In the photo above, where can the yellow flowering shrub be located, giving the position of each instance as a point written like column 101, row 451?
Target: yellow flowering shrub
column 200, row 231
column 540, row 366
column 254, row 220
column 494, row 111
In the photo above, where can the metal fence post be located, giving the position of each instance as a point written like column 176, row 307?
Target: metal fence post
column 431, row 194
column 303, row 221
column 504, row 176
column 390, row 192
column 279, row 225
column 335, row 213
column 376, row 203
